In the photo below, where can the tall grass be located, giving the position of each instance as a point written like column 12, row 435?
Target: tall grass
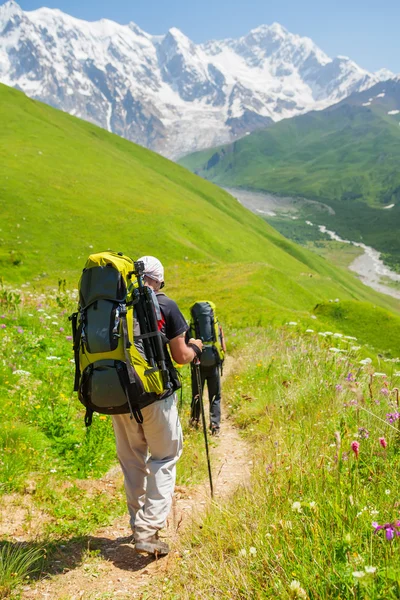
column 326, row 467
column 17, row 563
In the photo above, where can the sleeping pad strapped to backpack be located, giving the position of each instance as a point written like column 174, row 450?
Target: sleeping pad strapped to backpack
column 120, row 362
column 204, row 325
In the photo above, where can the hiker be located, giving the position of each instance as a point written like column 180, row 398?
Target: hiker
column 204, row 325
column 148, row 452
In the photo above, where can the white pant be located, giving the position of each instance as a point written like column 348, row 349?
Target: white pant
column 148, row 454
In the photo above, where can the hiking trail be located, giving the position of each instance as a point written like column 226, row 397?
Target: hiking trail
column 110, row 567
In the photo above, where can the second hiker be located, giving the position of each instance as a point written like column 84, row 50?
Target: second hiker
column 205, row 326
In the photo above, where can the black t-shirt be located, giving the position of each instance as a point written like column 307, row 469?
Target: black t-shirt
column 173, row 323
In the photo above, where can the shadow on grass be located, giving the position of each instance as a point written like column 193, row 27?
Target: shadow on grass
column 63, row 555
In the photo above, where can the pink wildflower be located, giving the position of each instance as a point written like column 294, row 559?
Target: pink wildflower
column 355, row 446
column 383, row 442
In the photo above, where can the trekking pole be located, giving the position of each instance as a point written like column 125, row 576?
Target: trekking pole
column 196, row 363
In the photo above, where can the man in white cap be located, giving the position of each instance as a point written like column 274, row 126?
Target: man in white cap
column 148, row 453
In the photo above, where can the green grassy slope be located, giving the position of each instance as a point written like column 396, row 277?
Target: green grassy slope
column 68, row 188
column 347, row 156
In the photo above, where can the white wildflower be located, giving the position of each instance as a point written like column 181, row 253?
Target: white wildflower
column 242, row 552
column 313, row 504
column 309, row 330
column 338, row 335
column 370, row 569
column 54, row 358
column 21, row 372
column 379, row 375
column 253, row 551
column 355, row 348
column 335, row 350
column 297, row 591
column 387, row 492
column 358, row 574
column 366, row 361
column 296, row 506
column 53, row 470
column 328, row 332
column 291, row 323
column 313, row 317
column 350, row 337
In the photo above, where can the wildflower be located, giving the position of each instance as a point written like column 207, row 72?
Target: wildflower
column 53, row 358
column 102, row 418
column 370, row 569
column 392, row 417
column 312, row 505
column 337, row 350
column 53, row 470
column 242, row 552
column 366, row 361
column 338, row 335
column 296, row 591
column 20, row 330
column 339, row 387
column 296, row 506
column 387, row 492
column 253, row 551
column 391, row 529
column 355, row 446
column 21, row 372
column 358, row 574
column 363, row 433
column 3, row 326
column 292, row 323
column 309, row 330
column 383, row 442
column 385, row 391
column 379, row 374
column 68, row 338
column 355, row 348
column 350, row 377
column 350, row 337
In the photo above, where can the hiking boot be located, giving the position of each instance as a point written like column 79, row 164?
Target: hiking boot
column 215, row 430
column 152, row 545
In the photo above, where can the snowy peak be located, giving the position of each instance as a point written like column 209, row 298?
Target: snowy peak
column 166, row 92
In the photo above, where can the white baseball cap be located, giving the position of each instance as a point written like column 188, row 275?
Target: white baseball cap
column 153, row 268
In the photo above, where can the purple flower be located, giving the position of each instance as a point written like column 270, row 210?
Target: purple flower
column 68, row 338
column 385, row 391
column 20, row 330
column 383, row 442
column 2, row 326
column 339, row 387
column 61, row 329
column 350, row 377
column 355, row 446
column 392, row 417
column 363, row 433
column 390, row 529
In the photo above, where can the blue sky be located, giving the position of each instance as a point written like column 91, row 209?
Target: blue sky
column 367, row 31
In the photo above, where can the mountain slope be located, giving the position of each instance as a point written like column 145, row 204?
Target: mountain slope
column 347, row 156
column 68, row 188
column 165, row 92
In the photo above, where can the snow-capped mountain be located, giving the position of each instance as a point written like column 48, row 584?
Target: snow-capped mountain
column 165, row 92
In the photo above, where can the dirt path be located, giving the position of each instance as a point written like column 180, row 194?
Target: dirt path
column 110, row 568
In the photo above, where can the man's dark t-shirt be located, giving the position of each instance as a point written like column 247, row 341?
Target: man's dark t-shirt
column 173, row 323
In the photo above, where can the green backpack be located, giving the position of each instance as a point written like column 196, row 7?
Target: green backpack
column 120, row 365
column 204, row 325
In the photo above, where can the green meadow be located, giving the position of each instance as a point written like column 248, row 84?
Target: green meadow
column 68, row 188
column 345, row 156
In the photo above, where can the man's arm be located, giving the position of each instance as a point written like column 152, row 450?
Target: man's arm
column 181, row 352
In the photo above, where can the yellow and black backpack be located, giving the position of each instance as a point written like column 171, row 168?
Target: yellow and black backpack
column 120, row 363
column 204, row 325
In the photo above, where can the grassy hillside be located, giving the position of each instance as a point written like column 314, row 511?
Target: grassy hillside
column 346, row 156
column 68, row 188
